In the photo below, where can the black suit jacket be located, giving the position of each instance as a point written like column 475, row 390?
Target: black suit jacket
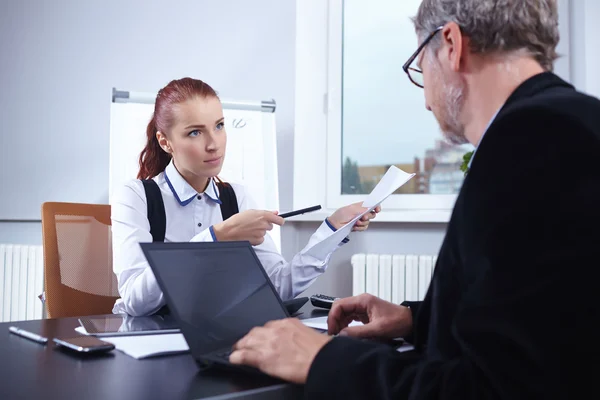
column 513, row 307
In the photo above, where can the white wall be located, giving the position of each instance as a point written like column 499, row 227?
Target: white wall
column 59, row 61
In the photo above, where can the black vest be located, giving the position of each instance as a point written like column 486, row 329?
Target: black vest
column 156, row 206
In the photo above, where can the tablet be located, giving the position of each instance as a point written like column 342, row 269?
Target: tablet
column 121, row 324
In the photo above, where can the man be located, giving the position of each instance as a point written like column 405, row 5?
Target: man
column 512, row 309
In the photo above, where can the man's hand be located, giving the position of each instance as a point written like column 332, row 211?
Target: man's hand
column 381, row 319
column 284, row 349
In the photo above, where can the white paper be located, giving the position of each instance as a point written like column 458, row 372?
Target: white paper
column 144, row 346
column 393, row 179
column 321, row 323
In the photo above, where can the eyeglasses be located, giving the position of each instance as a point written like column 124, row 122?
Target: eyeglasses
column 415, row 74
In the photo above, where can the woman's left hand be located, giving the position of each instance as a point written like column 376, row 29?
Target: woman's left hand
column 346, row 214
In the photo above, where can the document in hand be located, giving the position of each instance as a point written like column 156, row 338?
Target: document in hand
column 391, row 181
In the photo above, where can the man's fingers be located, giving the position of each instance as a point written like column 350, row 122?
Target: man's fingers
column 361, row 331
column 348, row 319
column 249, row 341
column 334, row 318
column 278, row 323
column 246, row 357
column 343, row 308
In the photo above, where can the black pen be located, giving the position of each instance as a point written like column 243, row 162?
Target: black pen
column 298, row 212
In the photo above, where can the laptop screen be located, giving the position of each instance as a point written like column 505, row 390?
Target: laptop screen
column 217, row 291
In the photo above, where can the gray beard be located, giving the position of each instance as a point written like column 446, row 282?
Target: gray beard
column 454, row 99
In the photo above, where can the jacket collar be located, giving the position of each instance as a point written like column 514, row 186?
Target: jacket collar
column 533, row 86
column 530, row 87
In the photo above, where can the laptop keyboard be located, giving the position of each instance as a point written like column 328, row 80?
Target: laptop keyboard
column 223, row 354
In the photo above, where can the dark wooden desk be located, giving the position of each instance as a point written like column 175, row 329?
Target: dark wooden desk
column 30, row 370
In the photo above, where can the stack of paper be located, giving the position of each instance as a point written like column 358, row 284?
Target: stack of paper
column 144, row 346
column 391, row 181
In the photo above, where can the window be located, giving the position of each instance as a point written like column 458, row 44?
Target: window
column 357, row 112
column 383, row 117
column 377, row 117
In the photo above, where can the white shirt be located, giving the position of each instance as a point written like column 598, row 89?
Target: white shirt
column 189, row 216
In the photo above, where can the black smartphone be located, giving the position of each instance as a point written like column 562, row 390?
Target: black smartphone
column 85, row 344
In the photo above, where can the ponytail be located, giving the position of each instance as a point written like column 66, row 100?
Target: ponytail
column 153, row 159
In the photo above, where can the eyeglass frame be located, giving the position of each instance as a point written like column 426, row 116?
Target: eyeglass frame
column 406, row 67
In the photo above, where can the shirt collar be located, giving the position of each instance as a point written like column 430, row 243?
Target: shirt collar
column 184, row 192
column 481, row 138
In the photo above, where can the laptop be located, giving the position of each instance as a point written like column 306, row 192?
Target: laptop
column 217, row 292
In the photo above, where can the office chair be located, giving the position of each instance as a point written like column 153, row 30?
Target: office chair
column 78, row 275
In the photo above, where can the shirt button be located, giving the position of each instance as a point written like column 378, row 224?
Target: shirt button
column 199, row 224
column 199, row 197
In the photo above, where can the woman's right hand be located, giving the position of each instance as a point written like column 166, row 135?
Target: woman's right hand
column 250, row 225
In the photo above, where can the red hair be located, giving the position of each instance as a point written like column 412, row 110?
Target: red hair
column 153, row 159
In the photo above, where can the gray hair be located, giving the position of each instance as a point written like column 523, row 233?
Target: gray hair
column 497, row 26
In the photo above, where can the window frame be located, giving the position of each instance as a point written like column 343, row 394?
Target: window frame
column 396, row 202
column 318, row 124
column 326, row 130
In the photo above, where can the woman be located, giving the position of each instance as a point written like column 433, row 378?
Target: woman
column 186, row 143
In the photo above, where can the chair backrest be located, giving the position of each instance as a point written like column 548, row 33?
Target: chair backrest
column 78, row 275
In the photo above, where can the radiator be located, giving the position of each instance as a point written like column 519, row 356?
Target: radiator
column 392, row 277
column 21, row 282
